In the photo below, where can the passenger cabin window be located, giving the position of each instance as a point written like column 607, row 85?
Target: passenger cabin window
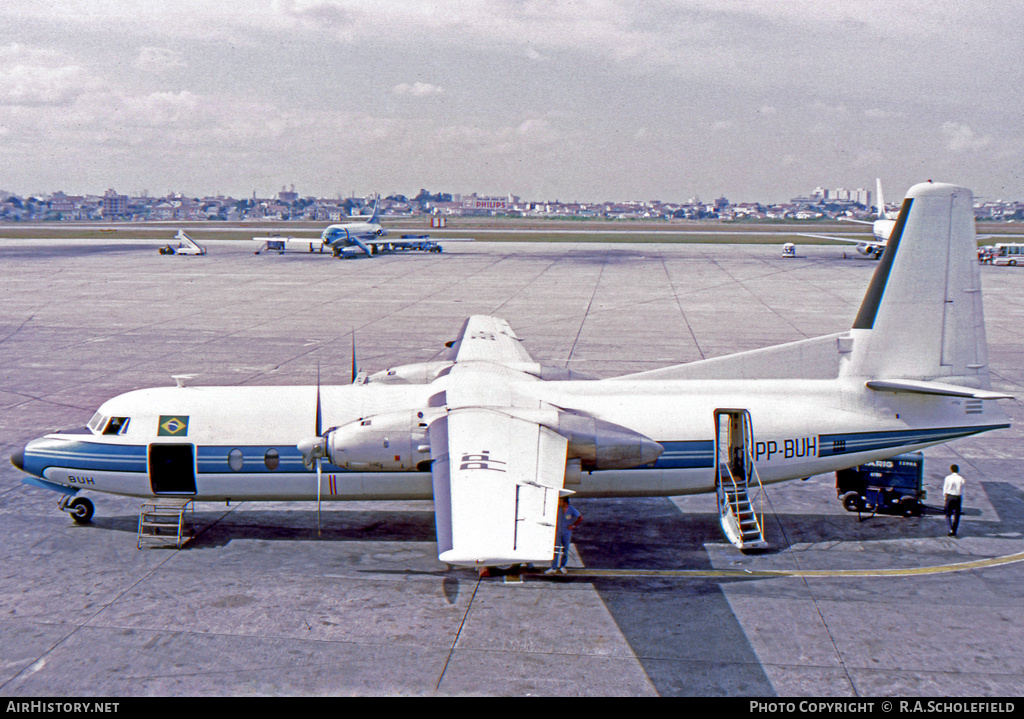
column 117, row 425
column 272, row 459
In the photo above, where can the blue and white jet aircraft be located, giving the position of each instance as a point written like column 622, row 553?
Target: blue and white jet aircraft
column 881, row 229
column 370, row 238
column 494, row 438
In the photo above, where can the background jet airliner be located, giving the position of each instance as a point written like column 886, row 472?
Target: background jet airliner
column 353, row 239
column 494, row 438
column 881, row 229
column 371, row 238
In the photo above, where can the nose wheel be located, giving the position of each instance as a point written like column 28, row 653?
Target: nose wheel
column 80, row 509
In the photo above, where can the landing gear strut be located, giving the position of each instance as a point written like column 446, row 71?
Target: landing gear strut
column 80, row 509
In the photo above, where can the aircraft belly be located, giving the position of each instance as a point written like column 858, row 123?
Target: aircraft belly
column 131, row 484
column 302, row 486
column 648, row 482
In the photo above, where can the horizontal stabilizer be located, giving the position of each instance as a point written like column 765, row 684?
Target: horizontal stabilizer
column 922, row 387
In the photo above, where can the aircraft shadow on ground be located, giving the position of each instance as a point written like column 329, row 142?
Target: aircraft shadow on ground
column 682, row 631
column 634, row 533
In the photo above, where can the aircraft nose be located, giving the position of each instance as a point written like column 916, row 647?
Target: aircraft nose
column 18, row 459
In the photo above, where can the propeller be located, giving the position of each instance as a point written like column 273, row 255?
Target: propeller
column 315, row 449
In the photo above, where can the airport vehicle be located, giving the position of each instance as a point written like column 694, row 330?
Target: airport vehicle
column 1008, row 253
column 186, row 246
column 892, row 486
column 280, row 245
column 881, row 229
column 494, row 438
column 789, row 250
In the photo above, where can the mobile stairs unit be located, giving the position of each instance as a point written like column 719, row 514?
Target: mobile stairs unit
column 739, row 489
column 166, row 521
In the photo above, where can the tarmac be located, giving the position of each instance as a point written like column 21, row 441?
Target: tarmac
column 656, row 602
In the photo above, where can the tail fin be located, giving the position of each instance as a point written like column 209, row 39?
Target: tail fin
column 881, row 200
column 921, row 318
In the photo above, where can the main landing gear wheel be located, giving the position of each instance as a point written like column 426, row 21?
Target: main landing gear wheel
column 81, row 510
column 500, row 570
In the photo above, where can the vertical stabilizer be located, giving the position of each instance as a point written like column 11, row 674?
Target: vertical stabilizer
column 922, row 316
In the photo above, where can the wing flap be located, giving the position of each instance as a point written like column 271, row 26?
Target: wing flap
column 496, row 484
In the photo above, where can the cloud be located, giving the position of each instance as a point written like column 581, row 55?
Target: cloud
column 961, row 138
column 38, row 76
column 417, row 89
column 159, row 59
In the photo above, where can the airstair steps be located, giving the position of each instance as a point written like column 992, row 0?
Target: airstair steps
column 739, row 520
column 166, row 521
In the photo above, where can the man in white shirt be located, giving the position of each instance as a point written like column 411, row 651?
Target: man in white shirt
column 952, row 490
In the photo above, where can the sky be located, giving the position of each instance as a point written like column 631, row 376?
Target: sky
column 585, row 100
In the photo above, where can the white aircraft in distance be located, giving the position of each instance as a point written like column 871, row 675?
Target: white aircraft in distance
column 881, row 229
column 352, row 239
column 495, row 438
column 186, row 246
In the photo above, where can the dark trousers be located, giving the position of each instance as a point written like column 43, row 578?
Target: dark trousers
column 953, row 512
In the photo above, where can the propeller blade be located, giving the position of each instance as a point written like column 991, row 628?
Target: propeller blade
column 319, row 484
column 355, row 367
column 319, row 416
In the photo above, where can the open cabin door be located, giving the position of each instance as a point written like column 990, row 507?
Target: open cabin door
column 736, row 482
column 172, row 468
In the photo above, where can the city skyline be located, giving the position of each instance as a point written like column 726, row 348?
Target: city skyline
column 596, row 100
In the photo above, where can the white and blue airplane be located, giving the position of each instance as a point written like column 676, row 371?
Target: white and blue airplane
column 881, row 229
column 493, row 438
column 356, row 239
column 371, row 238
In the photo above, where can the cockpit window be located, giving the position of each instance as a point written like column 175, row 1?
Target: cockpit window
column 96, row 422
column 117, row 425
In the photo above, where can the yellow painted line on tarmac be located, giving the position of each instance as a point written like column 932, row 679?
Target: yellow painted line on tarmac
column 767, row 573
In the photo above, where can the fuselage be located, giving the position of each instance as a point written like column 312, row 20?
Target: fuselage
column 240, row 443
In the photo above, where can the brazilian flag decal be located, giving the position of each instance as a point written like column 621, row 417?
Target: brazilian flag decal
column 172, row 426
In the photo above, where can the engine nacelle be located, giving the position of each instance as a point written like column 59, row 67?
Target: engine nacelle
column 604, row 445
column 419, row 373
column 398, row 441
column 390, row 442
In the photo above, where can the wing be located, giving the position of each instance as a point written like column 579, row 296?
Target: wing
column 496, row 485
column 488, row 339
column 838, row 238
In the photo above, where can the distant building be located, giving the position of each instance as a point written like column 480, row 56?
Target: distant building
column 287, row 197
column 486, row 204
column 114, row 205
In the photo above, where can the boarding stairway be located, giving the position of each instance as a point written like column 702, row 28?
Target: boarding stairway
column 740, row 513
column 166, row 521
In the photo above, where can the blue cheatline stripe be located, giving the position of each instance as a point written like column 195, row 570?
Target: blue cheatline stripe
column 214, row 460
column 873, row 297
column 687, row 455
column 84, row 455
column 830, row 445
